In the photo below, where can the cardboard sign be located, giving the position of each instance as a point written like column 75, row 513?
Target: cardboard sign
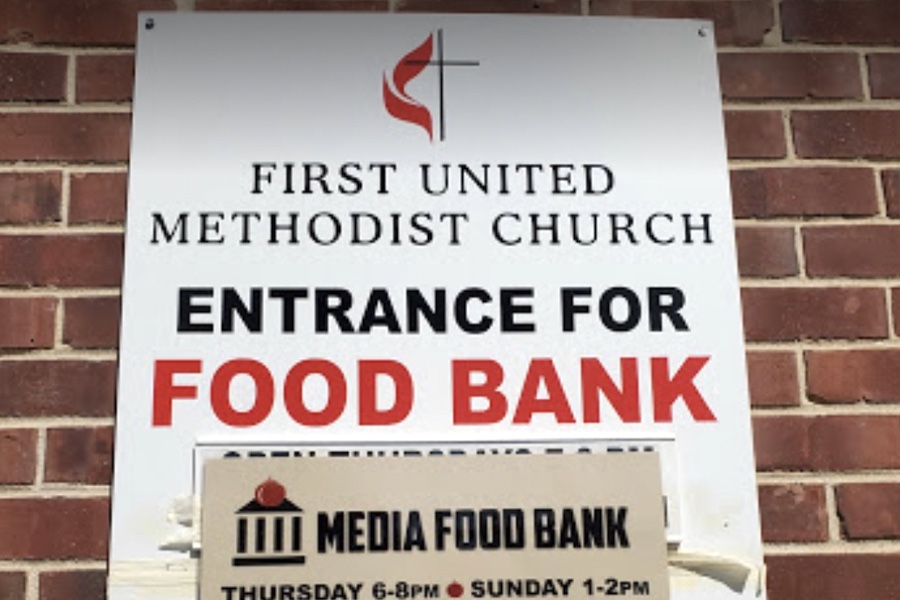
column 417, row 528
column 485, row 230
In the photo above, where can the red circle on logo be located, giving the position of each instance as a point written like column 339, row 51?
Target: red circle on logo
column 270, row 493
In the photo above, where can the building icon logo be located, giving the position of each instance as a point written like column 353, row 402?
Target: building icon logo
column 404, row 107
column 269, row 529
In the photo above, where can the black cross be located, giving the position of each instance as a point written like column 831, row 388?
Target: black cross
column 440, row 63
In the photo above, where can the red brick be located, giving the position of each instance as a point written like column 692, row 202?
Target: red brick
column 793, row 513
column 74, row 22
column 793, row 76
column 800, row 192
column 53, row 528
column 848, row 376
column 858, row 251
column 849, row 443
column 869, row 510
column 827, row 443
column 862, row 22
column 32, row 197
column 890, row 182
column 72, row 585
column 755, row 134
column 97, row 198
column 54, row 388
column 884, row 75
column 783, row 314
column 782, row 443
column 873, row 134
column 294, row 5
column 737, row 22
column 570, row 7
column 32, row 77
column 92, row 322
column 104, row 78
column 12, row 585
column 27, row 322
column 18, row 458
column 837, row 576
column 895, row 309
column 766, row 252
column 79, row 455
column 773, row 379
column 75, row 137
column 63, row 260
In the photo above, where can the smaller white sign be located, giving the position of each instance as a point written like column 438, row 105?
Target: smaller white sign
column 664, row 447
column 420, row 528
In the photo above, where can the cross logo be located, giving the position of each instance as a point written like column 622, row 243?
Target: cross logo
column 404, row 107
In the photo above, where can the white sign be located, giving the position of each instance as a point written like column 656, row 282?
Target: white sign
column 429, row 229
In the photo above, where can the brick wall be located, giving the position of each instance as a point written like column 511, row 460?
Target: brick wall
column 812, row 113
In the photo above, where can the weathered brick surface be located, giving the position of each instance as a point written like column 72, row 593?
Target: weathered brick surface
column 30, row 77
column 104, row 78
column 737, row 22
column 53, row 528
column 30, row 198
column 97, row 198
column 62, row 260
column 864, row 442
column 827, row 443
column 863, row 22
column 86, row 584
column 848, row 376
column 18, row 459
column 779, row 314
column 884, row 74
column 12, row 585
column 70, row 137
column 860, row 251
column 79, row 455
column 873, row 134
column 773, row 379
column 837, row 576
column 781, row 443
column 44, row 388
column 92, row 322
column 74, row 22
column 800, row 192
column 27, row 322
column 766, row 252
column 895, row 309
column 755, row 134
column 890, row 182
column 869, row 510
column 793, row 513
column 790, row 75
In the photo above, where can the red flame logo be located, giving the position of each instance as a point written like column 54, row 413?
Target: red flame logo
column 399, row 103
